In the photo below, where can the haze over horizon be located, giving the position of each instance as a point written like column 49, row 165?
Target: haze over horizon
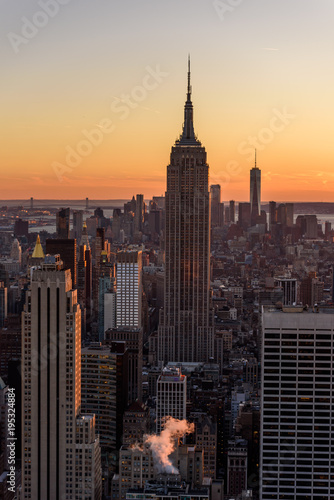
column 116, row 77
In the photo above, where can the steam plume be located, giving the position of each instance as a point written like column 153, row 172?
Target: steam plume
column 164, row 444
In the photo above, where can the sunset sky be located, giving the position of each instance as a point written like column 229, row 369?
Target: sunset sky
column 261, row 69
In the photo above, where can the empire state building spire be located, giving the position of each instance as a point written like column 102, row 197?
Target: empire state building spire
column 188, row 134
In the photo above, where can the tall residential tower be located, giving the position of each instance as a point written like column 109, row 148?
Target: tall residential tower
column 186, row 332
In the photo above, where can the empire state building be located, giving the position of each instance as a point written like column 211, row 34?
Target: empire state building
column 186, row 321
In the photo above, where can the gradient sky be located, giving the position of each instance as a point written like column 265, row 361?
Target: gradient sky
column 251, row 61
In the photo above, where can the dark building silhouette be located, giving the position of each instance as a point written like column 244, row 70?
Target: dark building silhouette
column 63, row 223
column 67, row 249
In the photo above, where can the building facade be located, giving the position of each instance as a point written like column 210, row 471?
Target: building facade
column 297, row 439
column 185, row 331
column 51, row 390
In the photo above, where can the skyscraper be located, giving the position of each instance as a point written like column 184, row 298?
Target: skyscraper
column 215, row 192
column 185, row 330
column 67, row 249
column 129, row 289
column 77, row 224
column 63, row 223
column 255, row 193
column 171, row 395
column 60, row 453
column 297, row 438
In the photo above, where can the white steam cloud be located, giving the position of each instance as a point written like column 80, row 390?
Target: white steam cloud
column 164, row 444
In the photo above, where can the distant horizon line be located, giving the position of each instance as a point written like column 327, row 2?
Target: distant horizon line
column 83, row 200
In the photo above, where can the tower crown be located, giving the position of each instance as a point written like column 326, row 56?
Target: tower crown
column 188, row 138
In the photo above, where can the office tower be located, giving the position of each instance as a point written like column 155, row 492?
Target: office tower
column 311, row 226
column 272, row 214
column 103, row 392
column 171, row 395
column 53, row 436
column 255, row 193
column 297, row 438
column 290, row 290
column 133, row 337
column 31, row 203
column 232, row 211
column 236, row 467
column 215, row 193
column 244, row 218
column 206, row 440
column 3, row 303
column 21, row 228
column 63, row 223
column 77, row 224
column 87, row 203
column 311, row 290
column 136, row 423
column 99, row 244
column 185, row 328
column 67, row 249
column 107, row 301
column 281, row 215
column 129, row 289
column 289, row 214
column 227, row 215
column 139, row 212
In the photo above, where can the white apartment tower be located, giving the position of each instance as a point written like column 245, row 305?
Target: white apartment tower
column 51, row 392
column 171, row 395
column 129, row 289
column 297, row 420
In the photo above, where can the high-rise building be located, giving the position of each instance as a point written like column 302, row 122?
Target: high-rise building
column 63, row 223
column 272, row 214
column 297, row 439
column 185, row 330
column 77, row 224
column 60, row 453
column 129, row 289
column 21, row 228
column 206, row 440
column 133, row 338
column 136, row 423
column 171, row 395
column 67, row 249
column 232, row 211
column 255, row 193
column 104, row 384
column 215, row 204
column 236, row 467
column 139, row 213
column 244, row 218
column 289, row 214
